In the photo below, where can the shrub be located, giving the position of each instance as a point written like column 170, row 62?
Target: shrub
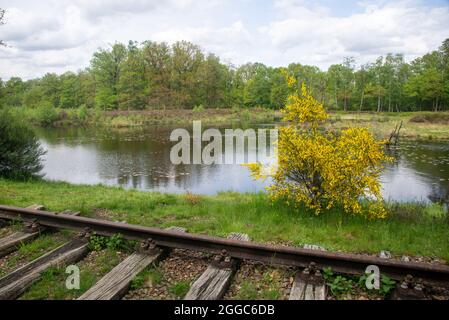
column 198, row 108
column 46, row 115
column 235, row 109
column 83, row 113
column 245, row 116
column 324, row 169
column 115, row 242
column 431, row 118
column 192, row 199
column 20, row 151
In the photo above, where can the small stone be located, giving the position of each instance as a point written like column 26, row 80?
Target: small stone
column 385, row 254
column 313, row 247
column 405, row 259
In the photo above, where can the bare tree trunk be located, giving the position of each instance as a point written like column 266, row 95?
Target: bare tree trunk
column 389, row 102
column 378, row 104
column 336, row 99
column 361, row 100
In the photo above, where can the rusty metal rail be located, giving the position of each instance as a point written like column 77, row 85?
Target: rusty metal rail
column 270, row 254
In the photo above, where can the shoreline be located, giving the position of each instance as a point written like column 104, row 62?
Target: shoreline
column 411, row 229
column 422, row 126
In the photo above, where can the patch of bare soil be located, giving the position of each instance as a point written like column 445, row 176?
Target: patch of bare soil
column 431, row 118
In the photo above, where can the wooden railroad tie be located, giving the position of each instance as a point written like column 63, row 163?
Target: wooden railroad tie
column 117, row 282
column 214, row 282
column 15, row 283
column 308, row 285
column 409, row 288
column 31, row 230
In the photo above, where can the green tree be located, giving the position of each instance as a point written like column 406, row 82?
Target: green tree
column 156, row 75
column 186, row 62
column 279, row 89
column 377, row 86
column 338, row 84
column 132, row 84
column 157, row 57
column 20, row 151
column 51, row 89
column 14, row 90
column 106, row 66
column 361, row 81
column 235, row 86
column 311, row 76
column 257, row 91
column 426, row 84
column 2, row 92
column 34, row 95
column 444, row 51
column 213, row 82
column 71, row 93
column 87, row 87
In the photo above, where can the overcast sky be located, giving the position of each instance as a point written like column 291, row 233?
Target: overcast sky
column 60, row 35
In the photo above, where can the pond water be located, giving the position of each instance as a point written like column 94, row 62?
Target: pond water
column 141, row 159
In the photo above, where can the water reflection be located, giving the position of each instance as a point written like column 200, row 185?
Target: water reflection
column 421, row 172
column 141, row 159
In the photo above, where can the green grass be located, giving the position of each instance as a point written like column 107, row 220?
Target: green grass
column 410, row 229
column 249, row 291
column 32, row 250
column 152, row 275
column 179, row 289
column 52, row 285
column 268, row 287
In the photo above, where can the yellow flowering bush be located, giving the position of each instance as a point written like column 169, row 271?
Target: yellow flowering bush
column 324, row 169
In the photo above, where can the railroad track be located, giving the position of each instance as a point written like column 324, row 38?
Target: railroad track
column 156, row 242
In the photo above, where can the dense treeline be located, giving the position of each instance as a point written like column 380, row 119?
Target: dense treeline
column 154, row 75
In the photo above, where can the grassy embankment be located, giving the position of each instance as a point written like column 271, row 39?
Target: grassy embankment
column 410, row 229
column 416, row 125
column 123, row 119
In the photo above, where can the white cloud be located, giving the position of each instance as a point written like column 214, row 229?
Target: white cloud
column 226, row 41
column 32, row 32
column 56, row 36
column 400, row 27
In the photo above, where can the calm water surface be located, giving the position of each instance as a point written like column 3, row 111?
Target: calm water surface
column 141, row 159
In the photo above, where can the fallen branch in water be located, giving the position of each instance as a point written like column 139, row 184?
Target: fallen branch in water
column 394, row 136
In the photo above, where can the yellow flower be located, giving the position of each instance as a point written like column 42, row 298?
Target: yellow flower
column 322, row 170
